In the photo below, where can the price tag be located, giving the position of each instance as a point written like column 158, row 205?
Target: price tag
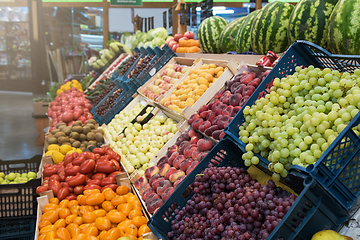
column 164, row 20
column 152, row 72
column 193, row 14
column 182, row 13
column 188, row 11
column 170, row 17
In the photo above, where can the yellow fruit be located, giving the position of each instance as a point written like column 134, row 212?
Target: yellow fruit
column 196, row 97
column 218, row 69
column 199, row 91
column 182, row 105
column 190, row 101
column 65, row 148
column 57, row 157
column 329, row 235
column 70, row 152
column 59, row 91
column 219, row 74
column 202, row 81
column 203, row 87
column 183, row 97
column 79, row 150
column 209, row 77
column 48, row 153
column 53, row 147
column 212, row 65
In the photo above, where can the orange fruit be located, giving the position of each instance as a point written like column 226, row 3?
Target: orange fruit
column 122, row 190
column 115, row 216
column 44, row 223
column 134, row 213
column 109, row 194
column 60, row 223
column 107, row 206
column 51, row 216
column 54, row 200
column 64, row 212
column 139, row 220
column 118, row 200
column 102, row 223
column 143, row 229
column 89, row 217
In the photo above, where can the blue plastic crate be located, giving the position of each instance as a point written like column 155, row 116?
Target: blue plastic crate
column 319, row 209
column 338, row 167
column 22, row 228
column 143, row 54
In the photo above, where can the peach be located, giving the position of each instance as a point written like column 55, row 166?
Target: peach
column 179, row 180
column 205, row 113
column 248, row 90
column 205, row 125
column 193, row 117
column 173, row 177
column 215, row 106
column 167, row 193
column 189, row 149
column 228, row 84
column 216, row 134
column 151, row 171
column 173, row 156
column 196, row 124
column 150, row 197
column 202, row 109
column 154, row 204
column 193, row 133
column 182, row 146
column 162, row 161
column 185, row 164
column 243, row 100
column 211, row 116
column 235, row 99
column 204, row 145
column 191, row 167
column 140, row 182
column 223, row 121
column 220, row 109
column 235, row 110
column 183, row 137
column 210, row 130
column 202, row 155
column 143, row 188
column 171, row 150
column 227, row 111
column 194, row 139
column 153, row 178
column 222, row 135
column 195, row 154
column 224, row 95
column 178, row 160
column 169, row 172
column 219, row 93
column 214, row 121
column 162, row 186
column 147, row 193
column 164, row 169
column 156, row 183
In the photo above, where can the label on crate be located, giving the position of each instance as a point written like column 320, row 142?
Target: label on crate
column 152, row 72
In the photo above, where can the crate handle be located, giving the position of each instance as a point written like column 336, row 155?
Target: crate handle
column 9, row 191
column 17, row 165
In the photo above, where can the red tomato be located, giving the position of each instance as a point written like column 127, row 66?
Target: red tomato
column 55, row 177
column 79, row 160
column 62, row 175
column 94, row 181
column 41, row 189
column 92, row 186
column 77, row 180
column 63, row 193
column 87, row 166
column 104, row 158
column 68, row 178
column 88, row 155
column 78, row 189
column 55, row 186
column 49, row 171
column 105, row 167
column 47, row 165
column 97, row 156
column 117, row 166
column 68, row 159
column 113, row 154
column 71, row 169
column 114, row 173
column 98, row 176
column 75, row 155
column 112, row 186
column 107, row 180
column 71, row 196
column 87, row 179
column 100, row 151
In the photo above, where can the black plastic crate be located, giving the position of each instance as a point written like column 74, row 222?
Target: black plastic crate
column 318, row 208
column 18, row 229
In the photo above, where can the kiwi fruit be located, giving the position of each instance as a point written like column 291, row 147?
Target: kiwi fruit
column 82, row 146
column 77, row 129
column 72, row 140
column 82, row 137
column 60, row 124
column 76, row 144
column 66, row 130
column 77, row 123
column 92, row 126
column 97, row 126
column 90, row 136
column 63, row 140
column 86, row 129
column 85, row 143
column 59, row 134
column 100, row 130
column 82, row 149
column 74, row 135
column 92, row 121
column 99, row 137
column 61, row 127
column 52, row 140
column 91, row 143
column 53, row 132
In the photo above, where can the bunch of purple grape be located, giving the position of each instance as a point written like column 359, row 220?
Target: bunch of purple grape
column 228, row 204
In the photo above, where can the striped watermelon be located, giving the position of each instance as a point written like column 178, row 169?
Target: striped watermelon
column 309, row 19
column 269, row 31
column 243, row 36
column 209, row 33
column 227, row 37
column 344, row 28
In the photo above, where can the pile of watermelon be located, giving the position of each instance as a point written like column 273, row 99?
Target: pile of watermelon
column 331, row 24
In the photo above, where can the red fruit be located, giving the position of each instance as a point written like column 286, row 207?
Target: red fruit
column 193, row 117
column 210, row 130
column 245, row 79
column 202, row 109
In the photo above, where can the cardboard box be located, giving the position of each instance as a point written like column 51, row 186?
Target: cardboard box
column 40, row 108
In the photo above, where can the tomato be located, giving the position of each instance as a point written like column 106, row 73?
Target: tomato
column 71, row 169
column 79, row 160
column 100, row 213
column 95, row 199
column 62, row 175
column 55, row 177
column 63, row 234
column 71, row 197
column 115, row 216
column 60, row 223
column 87, row 166
column 47, row 229
column 63, row 193
column 113, row 174
column 47, row 223
column 125, row 208
column 89, row 175
column 98, row 176
column 51, row 216
column 80, row 236
column 131, row 230
column 67, row 178
column 88, row 155
column 92, row 186
column 70, row 219
column 68, row 159
column 47, row 165
column 75, row 155
column 122, row 190
column 134, row 213
column 143, row 229
column 50, row 235
column 77, row 180
column 64, row 203
column 95, row 182
column 92, row 231
column 113, row 186
column 139, row 220
column 49, row 171
column 97, row 156
column 113, row 234
column 107, row 180
column 117, row 166
column 104, row 158
column 113, row 154
column 100, row 151
column 78, row 189
column 102, row 223
column 55, row 186
column 41, row 189
column 118, row 200
column 107, row 206
column 64, row 212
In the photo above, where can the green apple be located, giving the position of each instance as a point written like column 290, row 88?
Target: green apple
column 144, row 159
column 141, row 172
column 124, row 149
column 6, row 181
column 18, row 174
column 1, row 180
column 13, row 183
column 135, row 163
column 137, row 126
column 24, row 175
column 17, row 179
column 32, row 175
column 11, row 176
column 143, row 148
column 145, row 126
column 145, row 166
column 2, row 175
column 22, row 180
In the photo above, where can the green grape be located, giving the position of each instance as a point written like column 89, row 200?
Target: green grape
column 321, row 128
column 308, row 140
column 356, row 72
column 244, row 139
column 324, row 146
column 255, row 160
column 310, row 160
column 284, row 173
column 314, row 147
column 278, row 167
column 303, row 146
column 285, row 152
column 346, row 117
column 354, row 112
column 338, row 93
column 249, row 147
column 317, row 153
column 247, row 162
column 275, row 177
column 297, row 152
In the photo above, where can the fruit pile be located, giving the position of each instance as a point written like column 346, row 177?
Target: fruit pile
column 101, row 89
column 159, row 181
column 193, row 87
column 15, row 178
column 188, row 46
column 68, row 107
column 106, row 106
column 110, row 214
column 143, row 62
column 299, row 119
column 164, row 81
column 228, row 204
column 77, row 135
column 58, row 153
column 173, row 42
column 79, row 172
column 213, row 118
column 69, row 85
column 140, row 143
column 122, row 70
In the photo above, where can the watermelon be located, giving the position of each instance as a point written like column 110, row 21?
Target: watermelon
column 269, row 31
column 343, row 28
column 209, row 33
column 227, row 37
column 309, row 19
column 243, row 36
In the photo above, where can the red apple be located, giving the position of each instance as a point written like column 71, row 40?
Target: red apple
column 172, row 43
column 178, row 36
column 168, row 40
column 175, row 46
column 189, row 35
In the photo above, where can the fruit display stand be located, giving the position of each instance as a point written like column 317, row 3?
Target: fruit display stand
column 18, row 201
column 336, row 168
column 175, row 60
column 313, row 210
column 231, row 69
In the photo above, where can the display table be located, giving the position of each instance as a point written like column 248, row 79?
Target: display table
column 42, row 121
